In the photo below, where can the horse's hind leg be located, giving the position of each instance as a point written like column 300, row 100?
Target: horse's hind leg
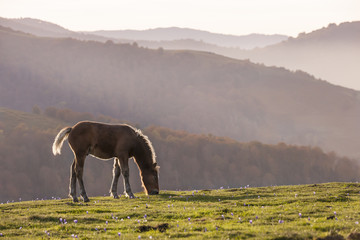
column 72, row 185
column 124, row 163
column 116, row 175
column 79, row 167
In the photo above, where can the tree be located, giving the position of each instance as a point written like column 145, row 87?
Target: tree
column 36, row 110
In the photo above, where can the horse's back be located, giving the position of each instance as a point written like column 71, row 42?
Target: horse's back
column 97, row 128
column 101, row 140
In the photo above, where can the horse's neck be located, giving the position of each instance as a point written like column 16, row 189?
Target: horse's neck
column 143, row 156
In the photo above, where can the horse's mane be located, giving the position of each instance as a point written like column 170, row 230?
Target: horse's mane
column 145, row 141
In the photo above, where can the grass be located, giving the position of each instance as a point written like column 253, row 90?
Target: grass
column 285, row 212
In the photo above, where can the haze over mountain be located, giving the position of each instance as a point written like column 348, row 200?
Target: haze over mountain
column 145, row 37
column 188, row 161
column 194, row 91
column 45, row 29
column 174, row 33
column 331, row 53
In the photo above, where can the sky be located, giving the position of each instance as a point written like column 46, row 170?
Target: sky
column 237, row 17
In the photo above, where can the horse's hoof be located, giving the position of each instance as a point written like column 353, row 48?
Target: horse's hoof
column 131, row 195
column 114, row 195
column 75, row 200
column 86, row 199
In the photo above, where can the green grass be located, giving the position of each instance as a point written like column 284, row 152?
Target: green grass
column 202, row 214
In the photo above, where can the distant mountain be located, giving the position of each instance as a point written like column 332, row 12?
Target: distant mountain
column 145, row 38
column 35, row 26
column 195, row 91
column 174, row 33
column 331, row 53
column 348, row 32
column 45, row 29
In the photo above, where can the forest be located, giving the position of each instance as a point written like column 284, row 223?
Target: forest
column 214, row 121
column 187, row 161
column 198, row 92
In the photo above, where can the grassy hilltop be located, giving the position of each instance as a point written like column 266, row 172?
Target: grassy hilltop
column 285, row 212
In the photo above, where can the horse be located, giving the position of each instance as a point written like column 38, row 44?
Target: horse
column 107, row 141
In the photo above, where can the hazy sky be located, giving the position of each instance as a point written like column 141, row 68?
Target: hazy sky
column 236, row 17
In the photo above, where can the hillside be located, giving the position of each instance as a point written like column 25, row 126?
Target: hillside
column 29, row 170
column 144, row 37
column 46, row 29
column 331, row 53
column 35, row 26
column 169, row 35
column 318, row 211
column 194, row 91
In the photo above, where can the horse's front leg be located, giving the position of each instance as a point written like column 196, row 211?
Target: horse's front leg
column 116, row 175
column 124, row 163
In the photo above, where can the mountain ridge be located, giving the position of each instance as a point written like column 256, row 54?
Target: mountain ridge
column 46, row 29
column 330, row 53
column 42, row 28
column 195, row 91
column 319, row 52
column 176, row 33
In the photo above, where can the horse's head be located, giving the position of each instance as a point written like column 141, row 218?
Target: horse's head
column 150, row 178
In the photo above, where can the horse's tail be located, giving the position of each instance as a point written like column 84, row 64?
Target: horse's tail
column 59, row 140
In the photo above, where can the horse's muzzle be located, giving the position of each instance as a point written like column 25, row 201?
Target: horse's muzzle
column 154, row 192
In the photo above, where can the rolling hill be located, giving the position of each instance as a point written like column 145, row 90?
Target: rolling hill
column 46, row 29
column 331, row 53
column 317, row 211
column 188, row 161
column 172, row 36
column 194, row 91
column 175, row 33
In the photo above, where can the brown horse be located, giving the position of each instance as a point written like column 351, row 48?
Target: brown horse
column 106, row 141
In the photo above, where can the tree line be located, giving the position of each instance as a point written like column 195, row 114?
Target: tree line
column 199, row 92
column 188, row 161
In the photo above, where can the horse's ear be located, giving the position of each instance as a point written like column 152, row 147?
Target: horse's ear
column 156, row 167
